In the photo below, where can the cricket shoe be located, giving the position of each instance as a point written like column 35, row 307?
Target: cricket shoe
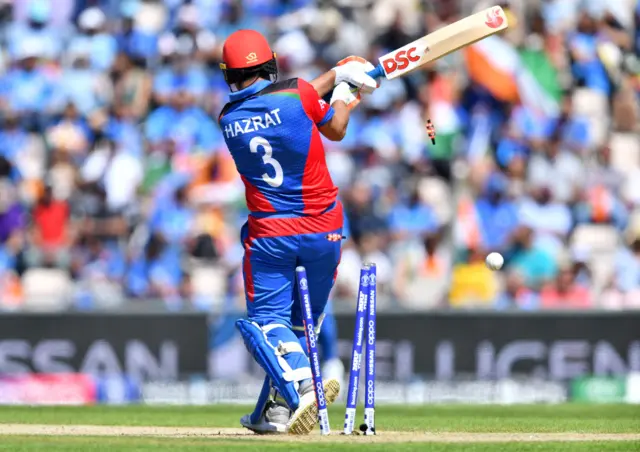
column 305, row 418
column 273, row 420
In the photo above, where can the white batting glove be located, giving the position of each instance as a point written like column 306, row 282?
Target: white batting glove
column 354, row 70
column 347, row 94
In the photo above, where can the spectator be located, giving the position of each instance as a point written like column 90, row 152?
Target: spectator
column 627, row 264
column 11, row 290
column 12, row 220
column 512, row 144
column 70, row 134
column 100, row 272
column 23, row 150
column 600, row 205
column 123, row 129
column 535, row 264
column 550, row 220
column 216, row 180
column 362, row 213
column 565, row 292
column 86, row 87
column 188, row 125
column 528, row 125
column 498, row 215
column 181, row 72
column 411, row 219
column 93, row 217
column 93, row 36
column 371, row 245
column 611, row 298
column 189, row 23
column 62, row 173
column 158, row 165
column 134, row 41
column 603, row 173
column 132, row 88
column 117, row 171
column 587, row 68
column 50, row 233
column 155, row 273
column 12, row 214
column 174, row 220
column 208, row 224
column 422, row 273
column 235, row 19
column 570, row 128
column 580, row 265
column 12, row 223
column 37, row 29
column 560, row 170
column 348, row 277
column 516, row 295
column 472, row 283
column 26, row 89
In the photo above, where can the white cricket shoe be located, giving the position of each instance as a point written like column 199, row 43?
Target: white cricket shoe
column 267, row 424
column 274, row 418
column 277, row 418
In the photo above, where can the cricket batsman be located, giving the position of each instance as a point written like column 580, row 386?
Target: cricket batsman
column 272, row 129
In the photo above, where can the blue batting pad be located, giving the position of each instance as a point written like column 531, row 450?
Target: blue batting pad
column 284, row 373
column 262, row 401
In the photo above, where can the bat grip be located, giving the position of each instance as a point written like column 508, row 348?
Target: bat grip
column 376, row 73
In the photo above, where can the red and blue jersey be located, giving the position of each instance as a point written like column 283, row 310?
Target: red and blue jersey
column 271, row 130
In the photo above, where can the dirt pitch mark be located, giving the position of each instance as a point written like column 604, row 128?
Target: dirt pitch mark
column 230, row 433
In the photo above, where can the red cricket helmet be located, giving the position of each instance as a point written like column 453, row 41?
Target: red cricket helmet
column 247, row 53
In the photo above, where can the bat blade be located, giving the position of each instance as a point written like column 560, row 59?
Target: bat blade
column 442, row 42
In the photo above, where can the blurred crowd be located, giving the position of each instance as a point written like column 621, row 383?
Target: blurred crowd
column 116, row 184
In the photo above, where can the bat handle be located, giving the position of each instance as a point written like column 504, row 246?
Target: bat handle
column 376, row 73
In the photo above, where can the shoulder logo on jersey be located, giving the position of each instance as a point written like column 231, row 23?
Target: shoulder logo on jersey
column 323, row 104
column 251, row 58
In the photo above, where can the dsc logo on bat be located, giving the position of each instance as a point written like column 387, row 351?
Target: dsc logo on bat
column 400, row 60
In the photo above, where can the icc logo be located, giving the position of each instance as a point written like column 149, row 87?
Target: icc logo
column 372, row 279
column 303, row 284
column 364, row 281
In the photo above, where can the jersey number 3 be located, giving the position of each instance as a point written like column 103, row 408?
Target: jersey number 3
column 267, row 158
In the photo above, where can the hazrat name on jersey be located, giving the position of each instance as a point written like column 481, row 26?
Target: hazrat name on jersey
column 252, row 124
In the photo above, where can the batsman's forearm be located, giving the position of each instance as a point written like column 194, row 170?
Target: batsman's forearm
column 336, row 128
column 341, row 113
column 324, row 83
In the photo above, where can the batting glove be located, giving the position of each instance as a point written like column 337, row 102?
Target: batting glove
column 354, row 70
column 347, row 94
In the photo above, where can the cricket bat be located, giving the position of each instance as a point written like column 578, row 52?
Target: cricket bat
column 441, row 42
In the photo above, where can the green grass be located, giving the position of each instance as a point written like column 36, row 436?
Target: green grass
column 569, row 418
column 449, row 418
column 88, row 444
